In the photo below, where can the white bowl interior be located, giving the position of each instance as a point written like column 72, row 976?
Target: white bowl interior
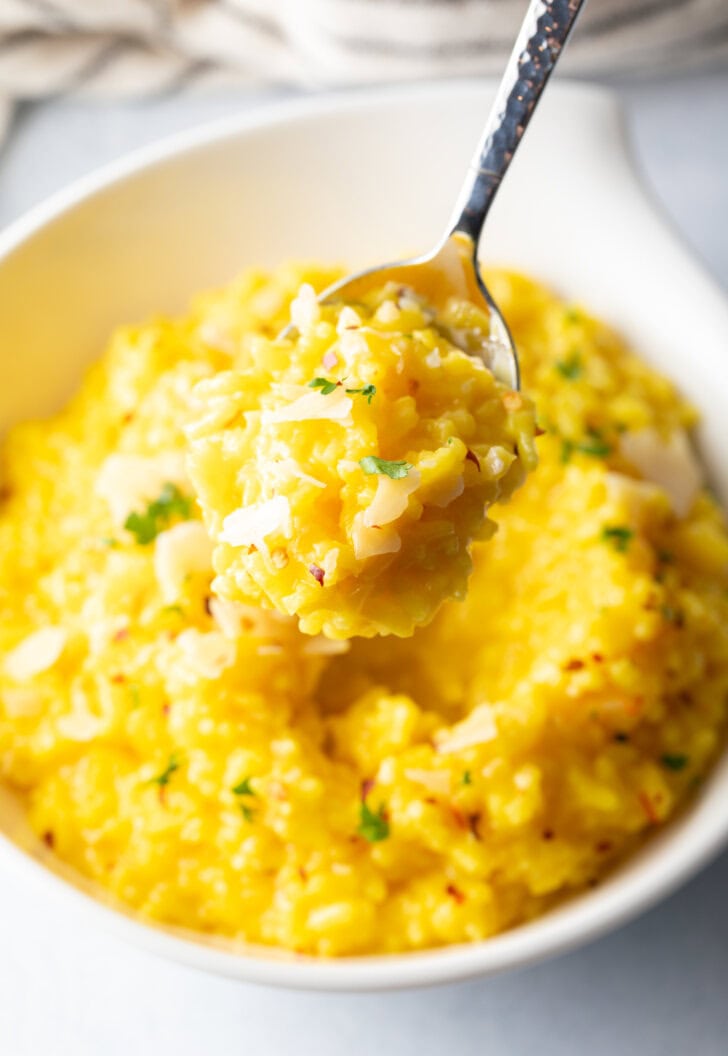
column 361, row 180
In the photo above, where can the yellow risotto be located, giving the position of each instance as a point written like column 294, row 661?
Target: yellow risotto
column 215, row 768
column 344, row 473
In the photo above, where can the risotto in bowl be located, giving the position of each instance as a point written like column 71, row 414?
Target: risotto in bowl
column 307, row 753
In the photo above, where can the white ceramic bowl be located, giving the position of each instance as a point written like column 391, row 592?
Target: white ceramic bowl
column 361, row 179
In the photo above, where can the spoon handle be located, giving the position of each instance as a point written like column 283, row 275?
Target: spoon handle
column 544, row 32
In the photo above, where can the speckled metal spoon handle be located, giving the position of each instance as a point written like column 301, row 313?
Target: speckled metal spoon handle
column 544, row 32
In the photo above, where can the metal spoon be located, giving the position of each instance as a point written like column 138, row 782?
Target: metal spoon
column 451, row 269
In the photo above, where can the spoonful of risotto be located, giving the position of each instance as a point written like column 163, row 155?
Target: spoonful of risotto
column 345, row 468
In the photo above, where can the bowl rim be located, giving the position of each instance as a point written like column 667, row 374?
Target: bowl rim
column 572, row 923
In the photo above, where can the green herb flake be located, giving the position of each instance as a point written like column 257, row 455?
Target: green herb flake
column 246, row 811
column 112, row 544
column 595, row 448
column 618, row 535
column 326, row 385
column 243, row 788
column 567, row 450
column 170, row 504
column 373, row 827
column 394, row 470
column 665, row 557
column 172, row 610
column 369, row 391
column 570, row 368
column 164, row 778
column 467, row 778
column 674, row 762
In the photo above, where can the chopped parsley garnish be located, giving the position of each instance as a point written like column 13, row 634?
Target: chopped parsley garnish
column 326, row 385
column 570, row 368
column 369, row 391
column 394, row 470
column 467, row 778
column 112, row 544
column 163, row 779
column 373, row 827
column 674, row 762
column 242, row 789
column 171, row 503
column 618, row 535
column 595, row 447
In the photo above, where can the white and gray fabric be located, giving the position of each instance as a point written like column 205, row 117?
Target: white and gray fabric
column 135, row 47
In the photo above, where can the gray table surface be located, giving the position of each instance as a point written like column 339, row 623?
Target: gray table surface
column 657, row 987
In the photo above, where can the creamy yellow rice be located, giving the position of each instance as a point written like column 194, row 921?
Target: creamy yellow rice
column 344, row 472
column 214, row 768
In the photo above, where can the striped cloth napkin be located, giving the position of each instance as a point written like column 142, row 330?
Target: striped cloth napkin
column 119, row 48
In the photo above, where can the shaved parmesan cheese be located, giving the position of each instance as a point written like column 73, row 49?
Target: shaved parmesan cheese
column 320, row 646
column 79, row 726
column 437, row 781
column 372, row 542
column 288, row 467
column 178, row 553
column 669, row 463
column 387, row 312
column 390, row 499
column 314, row 406
column 250, row 525
column 36, row 653
column 128, row 483
column 305, row 311
column 348, row 319
column 434, row 359
column 234, row 619
column 478, row 728
column 208, row 653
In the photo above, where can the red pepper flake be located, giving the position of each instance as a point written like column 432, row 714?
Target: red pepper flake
column 455, row 893
column 118, row 679
column 460, row 820
column 574, row 665
column 317, row 573
column 330, row 359
column 121, row 634
column 49, row 839
column 474, row 825
column 166, row 709
column 547, row 834
column 538, row 431
column 366, row 787
column 604, row 847
column 472, row 457
column 413, row 386
column 128, row 417
column 597, row 658
column 649, row 808
column 302, row 873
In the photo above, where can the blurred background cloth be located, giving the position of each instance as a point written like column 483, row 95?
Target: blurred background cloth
column 122, row 48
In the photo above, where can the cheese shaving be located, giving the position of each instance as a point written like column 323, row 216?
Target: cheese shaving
column 390, row 499
column 314, row 406
column 208, row 653
column 373, row 542
column 670, row 463
column 180, row 552
column 478, row 728
column 250, row 525
column 128, row 483
column 36, row 653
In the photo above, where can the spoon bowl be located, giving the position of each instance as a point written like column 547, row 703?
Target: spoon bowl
column 451, row 269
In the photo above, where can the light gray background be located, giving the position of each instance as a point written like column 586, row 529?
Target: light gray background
column 655, row 988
